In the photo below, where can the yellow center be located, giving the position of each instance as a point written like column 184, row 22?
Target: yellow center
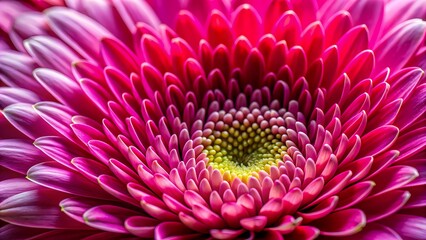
column 241, row 147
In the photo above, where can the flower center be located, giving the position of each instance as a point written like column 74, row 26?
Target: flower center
column 240, row 143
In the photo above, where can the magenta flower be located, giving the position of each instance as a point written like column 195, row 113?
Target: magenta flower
column 274, row 119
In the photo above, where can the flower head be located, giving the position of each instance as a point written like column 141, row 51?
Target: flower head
column 212, row 119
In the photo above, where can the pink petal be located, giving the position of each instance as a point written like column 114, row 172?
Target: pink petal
column 16, row 69
column 383, row 137
column 370, row 13
column 133, row 12
column 247, row 23
column 352, row 43
column 13, row 186
column 376, row 231
column 407, row 226
column 305, row 232
column 116, row 188
column 37, row 208
column 117, row 55
column 108, row 218
column 307, row 10
column 19, row 155
column 59, row 117
column 157, row 209
column 141, row 226
column 354, row 194
column 80, row 32
column 393, row 178
column 10, row 231
column 9, row 96
column 173, row 229
column 65, row 91
column 219, row 30
column 75, row 207
column 26, row 120
column 254, row 224
column 403, row 82
column 412, row 108
column 193, row 223
column 400, row 43
column 208, row 217
column 104, row 13
column 321, row 210
column 59, row 149
column 56, row 176
column 375, row 208
column 51, row 53
column 188, row 28
column 342, row 223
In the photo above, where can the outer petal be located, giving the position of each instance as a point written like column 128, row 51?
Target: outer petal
column 58, row 177
column 37, row 208
column 399, row 45
column 77, row 30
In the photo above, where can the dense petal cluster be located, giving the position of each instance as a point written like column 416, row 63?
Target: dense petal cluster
column 270, row 119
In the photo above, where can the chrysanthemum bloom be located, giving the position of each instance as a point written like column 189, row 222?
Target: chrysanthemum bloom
column 275, row 119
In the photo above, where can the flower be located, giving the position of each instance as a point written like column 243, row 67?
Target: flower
column 212, row 119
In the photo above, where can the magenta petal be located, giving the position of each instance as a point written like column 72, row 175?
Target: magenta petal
column 19, row 159
column 321, row 210
column 26, row 120
column 77, row 30
column 208, row 217
column 59, row 149
column 16, row 70
column 64, row 89
column 37, row 208
column 56, row 176
column 383, row 137
column 305, row 232
column 375, row 208
column 13, row 186
column 400, row 43
column 166, row 230
column 75, row 207
column 225, row 233
column 59, row 117
column 10, row 231
column 157, row 209
column 254, row 224
column 108, row 218
column 377, row 232
column 141, row 226
column 51, row 53
column 407, row 226
column 133, row 12
column 9, row 96
column 393, row 178
column 342, row 223
column 116, row 54
column 116, row 188
column 353, row 194
column 65, row 234
column 247, row 23
column 412, row 108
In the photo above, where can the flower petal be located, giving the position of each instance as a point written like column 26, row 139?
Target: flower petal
column 37, row 208
column 400, row 43
column 341, row 223
column 20, row 159
column 56, row 176
column 80, row 32
column 108, row 218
